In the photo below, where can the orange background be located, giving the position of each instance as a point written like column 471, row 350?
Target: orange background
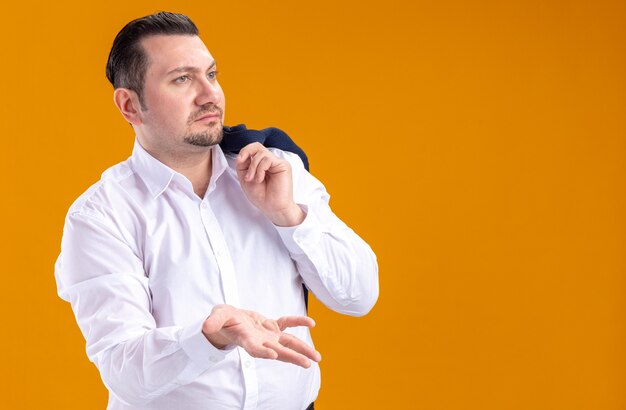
column 479, row 147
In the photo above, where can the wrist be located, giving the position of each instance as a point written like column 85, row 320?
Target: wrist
column 216, row 339
column 291, row 216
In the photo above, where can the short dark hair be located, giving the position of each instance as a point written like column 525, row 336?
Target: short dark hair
column 127, row 63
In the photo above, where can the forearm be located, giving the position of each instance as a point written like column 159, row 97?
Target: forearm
column 147, row 367
column 137, row 361
column 334, row 262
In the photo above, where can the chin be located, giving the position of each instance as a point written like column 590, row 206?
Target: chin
column 204, row 139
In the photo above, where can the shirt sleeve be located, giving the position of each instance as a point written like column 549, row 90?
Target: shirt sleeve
column 335, row 263
column 104, row 280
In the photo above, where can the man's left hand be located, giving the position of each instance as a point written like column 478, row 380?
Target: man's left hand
column 268, row 184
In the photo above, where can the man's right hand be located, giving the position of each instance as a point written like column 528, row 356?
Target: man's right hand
column 260, row 337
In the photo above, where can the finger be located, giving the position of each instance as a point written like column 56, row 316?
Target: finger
column 216, row 320
column 253, row 148
column 260, row 351
column 294, row 321
column 255, row 160
column 288, row 355
column 264, row 164
column 293, row 343
column 242, row 164
column 242, row 167
column 249, row 151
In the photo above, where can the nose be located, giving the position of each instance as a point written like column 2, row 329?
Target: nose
column 209, row 92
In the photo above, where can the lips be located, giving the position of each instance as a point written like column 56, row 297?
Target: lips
column 212, row 116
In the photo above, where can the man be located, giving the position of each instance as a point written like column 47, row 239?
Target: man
column 184, row 264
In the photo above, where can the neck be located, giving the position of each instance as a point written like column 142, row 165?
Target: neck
column 198, row 172
column 197, row 167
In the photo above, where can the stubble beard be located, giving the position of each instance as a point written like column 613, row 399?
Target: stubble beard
column 211, row 136
column 206, row 138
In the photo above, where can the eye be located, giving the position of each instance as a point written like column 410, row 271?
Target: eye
column 212, row 75
column 182, row 79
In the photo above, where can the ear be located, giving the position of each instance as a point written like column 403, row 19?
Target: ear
column 127, row 101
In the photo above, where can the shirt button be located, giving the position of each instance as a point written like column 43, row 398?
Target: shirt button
column 203, row 205
column 213, row 359
column 247, row 363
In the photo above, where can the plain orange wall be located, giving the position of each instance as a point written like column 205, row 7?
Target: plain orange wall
column 478, row 146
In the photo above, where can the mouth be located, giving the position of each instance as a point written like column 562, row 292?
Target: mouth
column 209, row 117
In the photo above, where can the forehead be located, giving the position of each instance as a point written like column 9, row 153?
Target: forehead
column 167, row 52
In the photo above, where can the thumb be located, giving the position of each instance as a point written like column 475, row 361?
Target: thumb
column 216, row 320
column 242, row 163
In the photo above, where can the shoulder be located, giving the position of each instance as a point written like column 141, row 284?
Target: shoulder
column 115, row 205
column 107, row 194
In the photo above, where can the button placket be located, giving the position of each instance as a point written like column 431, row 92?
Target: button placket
column 250, row 380
column 222, row 257
column 231, row 296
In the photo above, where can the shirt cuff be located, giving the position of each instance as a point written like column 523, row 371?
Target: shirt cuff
column 304, row 236
column 202, row 353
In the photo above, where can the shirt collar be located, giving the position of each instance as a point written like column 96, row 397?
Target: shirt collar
column 157, row 176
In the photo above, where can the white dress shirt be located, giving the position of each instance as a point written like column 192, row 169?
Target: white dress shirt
column 144, row 260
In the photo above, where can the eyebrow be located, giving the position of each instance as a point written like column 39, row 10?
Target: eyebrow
column 189, row 68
